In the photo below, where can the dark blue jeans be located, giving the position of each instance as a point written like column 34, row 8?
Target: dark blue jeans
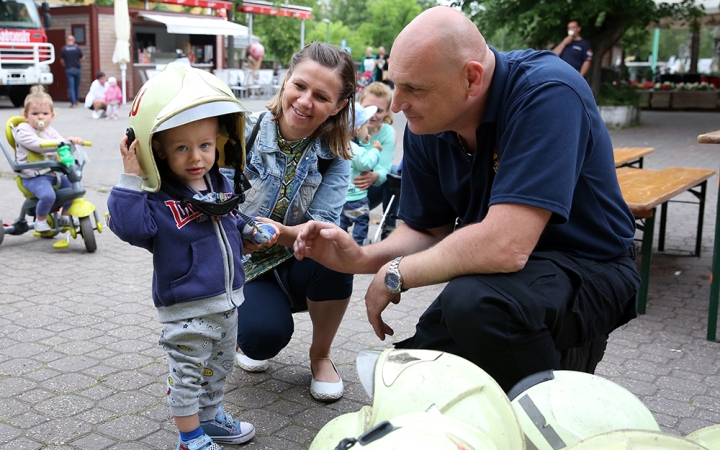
column 356, row 213
column 73, row 80
column 42, row 188
column 265, row 323
column 378, row 194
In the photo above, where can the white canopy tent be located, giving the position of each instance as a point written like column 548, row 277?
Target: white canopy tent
column 207, row 25
column 121, row 55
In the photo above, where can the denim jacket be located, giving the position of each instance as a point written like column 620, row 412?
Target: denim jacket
column 315, row 196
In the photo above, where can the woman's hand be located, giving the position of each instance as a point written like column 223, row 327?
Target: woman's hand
column 365, row 180
column 378, row 146
column 130, row 161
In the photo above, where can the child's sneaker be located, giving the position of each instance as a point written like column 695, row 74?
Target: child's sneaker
column 64, row 221
column 41, row 226
column 225, row 430
column 204, row 442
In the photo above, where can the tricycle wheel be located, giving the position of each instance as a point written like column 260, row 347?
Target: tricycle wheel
column 2, row 232
column 86, row 229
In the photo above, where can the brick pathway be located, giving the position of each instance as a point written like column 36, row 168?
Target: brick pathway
column 80, row 367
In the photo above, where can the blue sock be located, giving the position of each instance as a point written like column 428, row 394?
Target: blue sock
column 190, row 435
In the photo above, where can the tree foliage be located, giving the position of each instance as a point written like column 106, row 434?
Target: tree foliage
column 361, row 23
column 604, row 22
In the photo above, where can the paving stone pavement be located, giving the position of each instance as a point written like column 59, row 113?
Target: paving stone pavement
column 80, row 367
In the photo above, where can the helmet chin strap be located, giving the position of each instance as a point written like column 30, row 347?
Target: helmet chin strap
column 217, row 207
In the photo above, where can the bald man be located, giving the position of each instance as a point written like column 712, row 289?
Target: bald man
column 511, row 146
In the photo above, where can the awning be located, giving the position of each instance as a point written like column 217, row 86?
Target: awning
column 197, row 25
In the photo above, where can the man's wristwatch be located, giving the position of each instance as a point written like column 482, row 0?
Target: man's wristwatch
column 393, row 279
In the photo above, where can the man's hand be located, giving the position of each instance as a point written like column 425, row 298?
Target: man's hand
column 377, row 299
column 365, row 180
column 329, row 245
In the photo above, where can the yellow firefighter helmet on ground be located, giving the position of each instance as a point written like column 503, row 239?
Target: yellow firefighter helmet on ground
column 559, row 408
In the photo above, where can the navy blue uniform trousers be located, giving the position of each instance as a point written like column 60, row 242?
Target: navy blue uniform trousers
column 546, row 316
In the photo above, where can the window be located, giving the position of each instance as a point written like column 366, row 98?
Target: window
column 78, row 30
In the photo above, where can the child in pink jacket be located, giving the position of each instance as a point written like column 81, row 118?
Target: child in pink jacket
column 113, row 98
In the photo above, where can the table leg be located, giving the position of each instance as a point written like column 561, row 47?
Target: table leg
column 715, row 277
column 648, row 230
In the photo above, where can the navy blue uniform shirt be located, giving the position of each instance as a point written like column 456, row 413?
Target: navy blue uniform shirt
column 576, row 53
column 541, row 142
column 72, row 54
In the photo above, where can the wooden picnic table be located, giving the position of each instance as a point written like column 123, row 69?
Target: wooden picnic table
column 644, row 190
column 631, row 156
column 710, row 138
column 714, row 138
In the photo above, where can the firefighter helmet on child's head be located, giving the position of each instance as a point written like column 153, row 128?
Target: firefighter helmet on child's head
column 179, row 95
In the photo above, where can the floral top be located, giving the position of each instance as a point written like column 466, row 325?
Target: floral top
column 265, row 259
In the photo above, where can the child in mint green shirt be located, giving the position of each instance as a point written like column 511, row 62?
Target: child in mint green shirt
column 356, row 212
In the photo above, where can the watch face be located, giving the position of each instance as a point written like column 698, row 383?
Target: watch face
column 392, row 282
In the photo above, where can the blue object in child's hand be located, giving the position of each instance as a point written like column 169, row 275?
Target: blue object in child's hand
column 265, row 232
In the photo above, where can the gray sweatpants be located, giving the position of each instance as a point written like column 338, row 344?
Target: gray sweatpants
column 200, row 352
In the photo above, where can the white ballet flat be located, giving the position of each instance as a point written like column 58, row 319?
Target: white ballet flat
column 324, row 391
column 249, row 364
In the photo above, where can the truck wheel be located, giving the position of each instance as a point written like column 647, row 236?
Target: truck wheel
column 17, row 94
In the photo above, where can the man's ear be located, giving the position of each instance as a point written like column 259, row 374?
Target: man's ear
column 473, row 73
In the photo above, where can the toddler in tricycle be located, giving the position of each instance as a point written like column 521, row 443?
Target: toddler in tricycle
column 29, row 136
column 48, row 171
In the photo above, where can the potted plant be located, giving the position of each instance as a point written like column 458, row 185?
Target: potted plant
column 644, row 90
column 619, row 104
column 695, row 96
column 661, row 95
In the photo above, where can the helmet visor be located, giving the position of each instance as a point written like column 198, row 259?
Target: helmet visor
column 202, row 111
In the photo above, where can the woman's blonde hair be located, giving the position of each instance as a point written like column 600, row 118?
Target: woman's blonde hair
column 36, row 96
column 381, row 90
column 336, row 129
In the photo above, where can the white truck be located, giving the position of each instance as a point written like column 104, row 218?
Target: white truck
column 25, row 54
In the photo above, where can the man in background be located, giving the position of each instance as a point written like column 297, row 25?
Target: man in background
column 70, row 57
column 575, row 50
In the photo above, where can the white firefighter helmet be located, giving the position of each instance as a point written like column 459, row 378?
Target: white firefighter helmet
column 560, row 408
column 417, row 431
column 636, row 440
column 708, row 436
column 406, row 381
column 350, row 425
column 179, row 95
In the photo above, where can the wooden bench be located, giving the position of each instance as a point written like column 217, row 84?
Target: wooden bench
column 631, row 156
column 644, row 190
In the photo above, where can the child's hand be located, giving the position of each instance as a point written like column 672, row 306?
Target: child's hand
column 130, row 161
column 377, row 145
column 76, row 140
column 276, row 227
column 250, row 246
